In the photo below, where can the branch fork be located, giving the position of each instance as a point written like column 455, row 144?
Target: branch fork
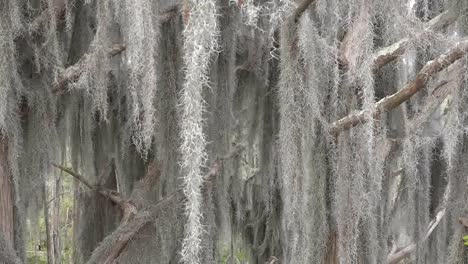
column 136, row 212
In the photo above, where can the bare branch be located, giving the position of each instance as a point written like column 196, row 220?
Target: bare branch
column 76, row 175
column 390, row 102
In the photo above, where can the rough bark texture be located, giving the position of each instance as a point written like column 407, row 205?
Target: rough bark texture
column 7, row 203
column 7, row 252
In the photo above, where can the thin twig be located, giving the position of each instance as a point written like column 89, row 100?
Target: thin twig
column 127, row 207
column 76, row 175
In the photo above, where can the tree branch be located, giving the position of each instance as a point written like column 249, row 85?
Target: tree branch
column 134, row 220
column 400, row 254
column 127, row 207
column 41, row 20
column 301, row 8
column 113, row 245
column 406, row 251
column 434, row 100
column 76, row 175
column 390, row 102
column 72, row 73
column 392, row 52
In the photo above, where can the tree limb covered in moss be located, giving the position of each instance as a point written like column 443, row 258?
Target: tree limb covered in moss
column 301, row 8
column 132, row 220
column 42, row 19
column 73, row 72
column 392, row 52
column 113, row 245
column 139, row 213
column 401, row 254
column 419, row 82
column 434, row 100
column 127, row 207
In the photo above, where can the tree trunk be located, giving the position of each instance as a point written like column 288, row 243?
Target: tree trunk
column 56, row 238
column 332, row 249
column 49, row 227
column 7, row 226
column 8, row 253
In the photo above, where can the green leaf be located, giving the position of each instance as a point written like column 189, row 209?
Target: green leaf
column 466, row 243
column 465, row 237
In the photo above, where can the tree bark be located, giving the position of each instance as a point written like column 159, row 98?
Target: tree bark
column 49, row 227
column 7, row 252
column 56, row 220
column 6, row 195
column 332, row 249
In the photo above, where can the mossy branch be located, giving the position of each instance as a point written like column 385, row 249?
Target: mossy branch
column 402, row 253
column 301, row 8
column 128, row 208
column 137, row 214
column 73, row 72
column 392, row 52
column 390, row 102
